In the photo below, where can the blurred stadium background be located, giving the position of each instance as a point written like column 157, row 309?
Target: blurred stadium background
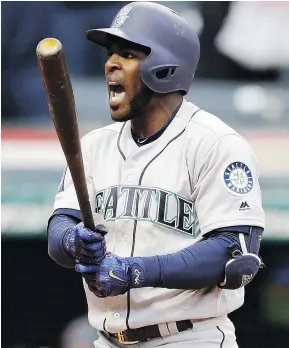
column 243, row 78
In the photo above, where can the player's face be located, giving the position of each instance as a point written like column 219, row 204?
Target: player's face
column 127, row 93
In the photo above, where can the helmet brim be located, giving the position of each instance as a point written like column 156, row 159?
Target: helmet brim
column 105, row 36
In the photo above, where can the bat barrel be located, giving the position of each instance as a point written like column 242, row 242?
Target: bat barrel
column 60, row 98
column 58, row 90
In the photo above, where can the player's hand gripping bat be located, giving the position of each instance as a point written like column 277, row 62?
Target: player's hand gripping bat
column 60, row 98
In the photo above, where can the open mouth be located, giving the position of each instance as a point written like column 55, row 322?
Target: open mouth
column 116, row 93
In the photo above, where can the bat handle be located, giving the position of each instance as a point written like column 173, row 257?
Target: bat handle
column 88, row 221
column 91, row 222
column 86, row 214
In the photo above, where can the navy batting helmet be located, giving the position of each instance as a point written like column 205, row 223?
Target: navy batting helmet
column 174, row 45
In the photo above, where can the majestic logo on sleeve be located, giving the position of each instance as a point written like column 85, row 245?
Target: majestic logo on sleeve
column 121, row 17
column 147, row 204
column 238, row 179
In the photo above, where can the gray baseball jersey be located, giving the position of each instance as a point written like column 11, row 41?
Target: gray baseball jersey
column 200, row 175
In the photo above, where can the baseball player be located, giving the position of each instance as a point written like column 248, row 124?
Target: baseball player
column 177, row 190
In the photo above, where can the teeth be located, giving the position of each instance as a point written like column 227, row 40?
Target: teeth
column 116, row 97
column 113, row 84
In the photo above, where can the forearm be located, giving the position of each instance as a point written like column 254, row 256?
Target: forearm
column 58, row 226
column 198, row 266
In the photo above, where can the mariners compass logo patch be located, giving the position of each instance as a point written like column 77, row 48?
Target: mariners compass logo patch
column 121, row 17
column 238, row 178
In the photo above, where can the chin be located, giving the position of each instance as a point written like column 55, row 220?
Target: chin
column 120, row 115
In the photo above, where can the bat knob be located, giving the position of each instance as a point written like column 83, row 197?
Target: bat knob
column 48, row 47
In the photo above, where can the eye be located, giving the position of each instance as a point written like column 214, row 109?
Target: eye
column 127, row 54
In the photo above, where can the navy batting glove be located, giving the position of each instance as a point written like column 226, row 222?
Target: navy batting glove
column 85, row 245
column 114, row 276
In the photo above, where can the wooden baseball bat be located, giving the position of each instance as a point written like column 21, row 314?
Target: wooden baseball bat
column 60, row 98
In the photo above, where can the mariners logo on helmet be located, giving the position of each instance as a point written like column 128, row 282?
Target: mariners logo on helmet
column 121, row 17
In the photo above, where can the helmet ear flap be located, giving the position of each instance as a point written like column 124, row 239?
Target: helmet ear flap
column 163, row 78
column 163, row 73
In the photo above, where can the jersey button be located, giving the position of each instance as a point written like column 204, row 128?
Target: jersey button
column 116, row 315
column 129, row 178
column 125, row 238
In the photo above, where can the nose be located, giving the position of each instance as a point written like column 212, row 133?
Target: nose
column 113, row 63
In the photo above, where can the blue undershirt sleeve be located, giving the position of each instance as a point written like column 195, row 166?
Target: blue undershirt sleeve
column 58, row 224
column 200, row 265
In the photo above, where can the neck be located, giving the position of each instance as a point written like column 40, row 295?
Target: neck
column 155, row 115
